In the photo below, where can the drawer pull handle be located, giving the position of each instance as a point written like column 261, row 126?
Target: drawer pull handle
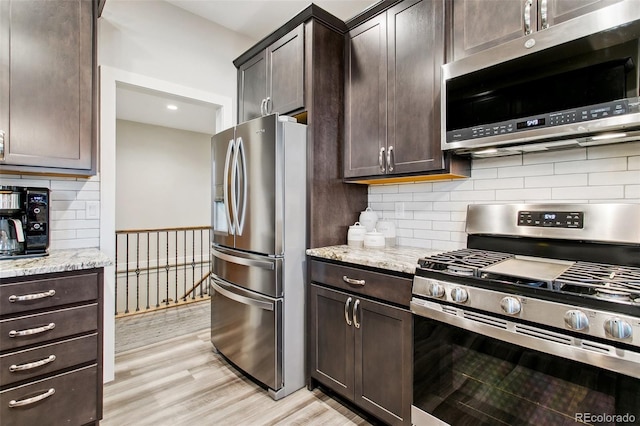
column 351, row 281
column 35, row 296
column 29, row 332
column 32, row 365
column 21, row 403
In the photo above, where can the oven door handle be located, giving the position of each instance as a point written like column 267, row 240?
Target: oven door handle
column 555, row 343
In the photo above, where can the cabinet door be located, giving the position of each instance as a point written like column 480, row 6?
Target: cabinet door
column 49, row 80
column 383, row 361
column 332, row 339
column 285, row 76
column 366, row 98
column 252, row 90
column 481, row 24
column 413, row 118
column 562, row 10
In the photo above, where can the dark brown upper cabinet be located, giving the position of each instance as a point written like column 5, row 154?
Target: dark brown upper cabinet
column 481, row 24
column 47, row 69
column 273, row 80
column 392, row 93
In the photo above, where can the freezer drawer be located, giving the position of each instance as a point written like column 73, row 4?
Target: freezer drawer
column 247, row 329
column 262, row 274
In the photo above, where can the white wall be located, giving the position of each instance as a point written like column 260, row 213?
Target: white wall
column 159, row 40
column 435, row 212
column 163, row 177
column 156, row 45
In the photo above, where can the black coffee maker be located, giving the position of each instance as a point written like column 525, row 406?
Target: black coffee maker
column 24, row 221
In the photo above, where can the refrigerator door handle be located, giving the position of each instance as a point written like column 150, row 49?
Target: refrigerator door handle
column 242, row 198
column 241, row 299
column 234, row 183
column 243, row 261
column 227, row 164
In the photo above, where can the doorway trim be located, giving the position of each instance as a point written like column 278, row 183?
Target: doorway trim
column 109, row 79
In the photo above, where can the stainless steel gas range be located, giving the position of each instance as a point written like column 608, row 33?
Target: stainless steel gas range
column 536, row 322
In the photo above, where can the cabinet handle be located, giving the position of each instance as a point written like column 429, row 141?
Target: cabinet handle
column 13, row 298
column 355, row 311
column 268, row 106
column 2, row 134
column 32, row 365
column 391, row 159
column 262, row 107
column 346, row 311
column 352, row 281
column 21, row 403
column 381, row 160
column 544, row 14
column 29, row 332
column 527, row 16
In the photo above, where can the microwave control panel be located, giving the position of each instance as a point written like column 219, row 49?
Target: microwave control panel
column 551, row 219
column 587, row 113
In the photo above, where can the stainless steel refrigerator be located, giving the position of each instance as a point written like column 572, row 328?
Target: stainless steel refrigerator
column 258, row 250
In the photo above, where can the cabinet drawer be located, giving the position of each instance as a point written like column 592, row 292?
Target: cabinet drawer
column 381, row 286
column 46, row 293
column 67, row 399
column 47, row 359
column 47, row 326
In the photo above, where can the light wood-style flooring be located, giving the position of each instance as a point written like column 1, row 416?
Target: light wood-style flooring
column 181, row 381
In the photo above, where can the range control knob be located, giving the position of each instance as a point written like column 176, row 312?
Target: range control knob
column 510, row 305
column 618, row 328
column 436, row 290
column 576, row 320
column 459, row 295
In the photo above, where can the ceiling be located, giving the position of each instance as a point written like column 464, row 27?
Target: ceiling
column 254, row 19
column 258, row 18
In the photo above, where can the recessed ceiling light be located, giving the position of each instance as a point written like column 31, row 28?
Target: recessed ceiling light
column 172, row 107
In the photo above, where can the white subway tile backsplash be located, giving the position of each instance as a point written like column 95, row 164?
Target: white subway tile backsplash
column 550, row 181
column 540, row 194
column 506, row 183
column 497, row 162
column 615, row 178
column 477, row 195
column 591, row 166
column 632, row 192
column 477, row 174
column 555, row 156
column 530, row 170
column 614, row 150
column 432, row 215
column 584, row 175
column 589, row 193
column 383, row 189
column 387, row 198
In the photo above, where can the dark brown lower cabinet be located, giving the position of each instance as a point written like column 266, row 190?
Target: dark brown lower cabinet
column 51, row 349
column 362, row 350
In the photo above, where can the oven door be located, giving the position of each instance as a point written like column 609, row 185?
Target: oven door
column 464, row 377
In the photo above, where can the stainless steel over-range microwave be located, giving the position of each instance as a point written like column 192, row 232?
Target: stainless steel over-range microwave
column 573, row 84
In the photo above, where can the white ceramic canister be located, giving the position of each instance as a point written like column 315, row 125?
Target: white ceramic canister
column 388, row 229
column 368, row 219
column 374, row 239
column 355, row 235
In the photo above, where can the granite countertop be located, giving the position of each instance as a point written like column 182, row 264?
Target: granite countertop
column 399, row 259
column 57, row 261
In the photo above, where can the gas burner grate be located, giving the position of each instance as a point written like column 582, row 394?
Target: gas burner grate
column 463, row 262
column 601, row 280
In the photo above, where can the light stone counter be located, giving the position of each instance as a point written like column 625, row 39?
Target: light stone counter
column 399, row 259
column 57, row 261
